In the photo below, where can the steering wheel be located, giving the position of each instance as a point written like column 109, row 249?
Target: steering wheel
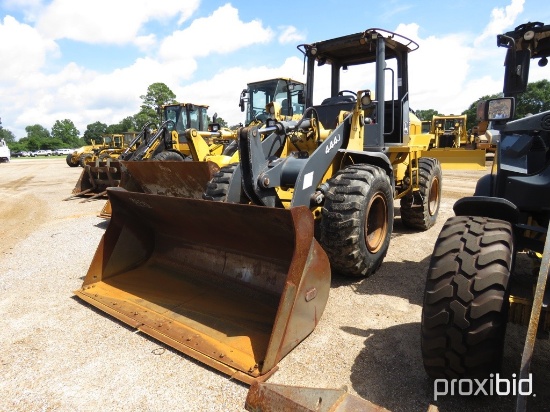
column 341, row 93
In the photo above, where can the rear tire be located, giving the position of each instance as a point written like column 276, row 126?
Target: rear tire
column 168, row 156
column 419, row 210
column 357, row 219
column 466, row 298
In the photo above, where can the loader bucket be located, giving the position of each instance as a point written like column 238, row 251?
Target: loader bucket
column 457, row 158
column 181, row 179
column 96, row 177
column 234, row 286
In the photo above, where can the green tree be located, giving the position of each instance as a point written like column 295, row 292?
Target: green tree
column 7, row 135
column 52, row 143
column 220, row 121
column 127, row 124
column 158, row 94
column 37, row 132
column 94, row 132
column 31, row 143
column 146, row 116
column 426, row 114
column 535, row 99
column 65, row 132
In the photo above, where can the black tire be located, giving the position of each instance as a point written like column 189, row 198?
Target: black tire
column 69, row 160
column 104, row 157
column 466, row 303
column 88, row 157
column 419, row 210
column 357, row 219
column 168, row 155
column 218, row 187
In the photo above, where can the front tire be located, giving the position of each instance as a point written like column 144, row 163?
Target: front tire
column 218, row 187
column 357, row 219
column 466, row 303
column 85, row 158
column 168, row 156
column 69, row 160
column 419, row 210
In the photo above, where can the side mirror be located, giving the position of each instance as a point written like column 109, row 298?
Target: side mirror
column 242, row 99
column 500, row 109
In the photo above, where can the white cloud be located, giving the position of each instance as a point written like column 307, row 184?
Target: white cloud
column 222, row 32
column 501, row 20
column 24, row 53
column 106, row 21
column 290, row 34
column 82, row 95
column 439, row 71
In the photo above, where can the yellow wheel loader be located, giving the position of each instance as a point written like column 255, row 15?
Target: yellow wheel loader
column 453, row 146
column 98, row 175
column 280, row 98
column 238, row 284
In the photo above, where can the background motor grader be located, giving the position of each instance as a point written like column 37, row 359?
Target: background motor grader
column 74, row 159
column 453, row 146
column 474, row 284
column 238, row 286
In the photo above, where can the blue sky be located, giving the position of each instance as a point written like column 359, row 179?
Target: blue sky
column 90, row 61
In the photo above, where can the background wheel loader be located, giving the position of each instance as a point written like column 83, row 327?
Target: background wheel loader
column 453, row 146
column 102, row 169
column 238, row 286
column 475, row 284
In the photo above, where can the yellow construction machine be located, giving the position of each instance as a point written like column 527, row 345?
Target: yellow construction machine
column 113, row 145
column 75, row 158
column 102, row 168
column 280, row 98
column 453, row 146
column 238, row 283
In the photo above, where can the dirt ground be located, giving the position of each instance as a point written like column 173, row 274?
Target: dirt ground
column 59, row 354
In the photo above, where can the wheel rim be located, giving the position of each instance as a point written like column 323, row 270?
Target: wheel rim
column 376, row 223
column 433, row 199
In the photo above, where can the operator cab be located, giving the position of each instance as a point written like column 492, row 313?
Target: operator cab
column 384, row 55
column 271, row 99
column 186, row 116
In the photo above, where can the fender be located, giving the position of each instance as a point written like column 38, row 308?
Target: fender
column 486, row 206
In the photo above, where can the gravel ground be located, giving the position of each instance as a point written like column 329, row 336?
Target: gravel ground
column 60, row 354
